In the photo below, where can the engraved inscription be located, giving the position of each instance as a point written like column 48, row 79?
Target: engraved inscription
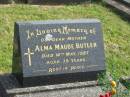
column 65, row 30
column 63, row 48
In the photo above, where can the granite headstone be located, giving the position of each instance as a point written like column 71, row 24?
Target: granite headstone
column 58, row 51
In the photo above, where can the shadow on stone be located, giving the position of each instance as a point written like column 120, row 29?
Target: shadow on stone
column 3, row 91
column 9, row 81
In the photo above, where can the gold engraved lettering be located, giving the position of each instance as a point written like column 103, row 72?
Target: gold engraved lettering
column 53, row 62
column 94, row 45
column 47, row 55
column 48, row 31
column 50, row 70
column 47, row 47
column 76, row 67
column 78, row 60
column 93, row 31
column 77, row 38
column 66, row 60
column 57, row 69
column 43, row 47
column 86, row 45
column 54, row 69
column 32, row 34
column 59, row 54
column 58, row 39
column 64, row 29
column 83, row 53
column 28, row 35
column 37, row 49
column 43, row 32
column 65, row 46
column 54, row 30
column 59, row 30
column 70, row 54
column 38, row 32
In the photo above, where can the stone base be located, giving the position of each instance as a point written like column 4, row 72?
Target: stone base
column 12, row 1
column 122, row 8
column 58, row 79
column 56, row 1
column 127, row 1
column 76, row 89
column 5, row 1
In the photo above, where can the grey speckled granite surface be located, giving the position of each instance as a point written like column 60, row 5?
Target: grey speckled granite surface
column 76, row 89
column 78, row 92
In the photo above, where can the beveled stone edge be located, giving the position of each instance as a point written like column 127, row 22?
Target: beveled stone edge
column 52, row 87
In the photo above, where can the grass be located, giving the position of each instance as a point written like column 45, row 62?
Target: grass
column 115, row 30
